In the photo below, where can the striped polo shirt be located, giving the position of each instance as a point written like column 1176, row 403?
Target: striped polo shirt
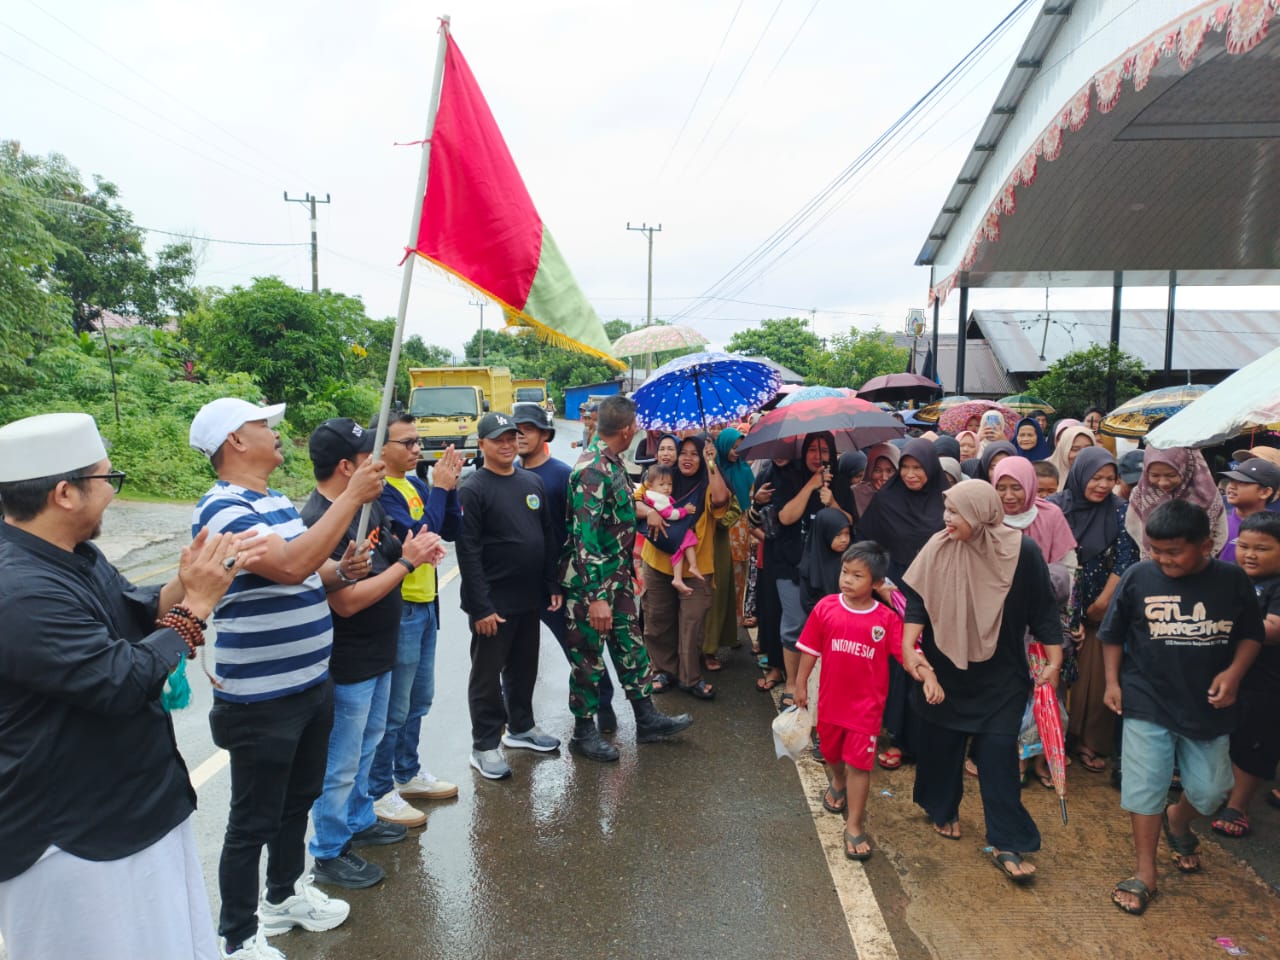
column 273, row 639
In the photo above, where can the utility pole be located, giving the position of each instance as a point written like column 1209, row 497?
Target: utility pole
column 646, row 229
column 315, row 257
column 480, row 304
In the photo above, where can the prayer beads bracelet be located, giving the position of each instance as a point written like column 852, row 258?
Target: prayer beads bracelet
column 187, row 625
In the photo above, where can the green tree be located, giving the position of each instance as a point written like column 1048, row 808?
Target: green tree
column 286, row 339
column 614, row 329
column 787, row 341
column 1079, row 380
column 102, row 263
column 29, row 312
column 852, row 359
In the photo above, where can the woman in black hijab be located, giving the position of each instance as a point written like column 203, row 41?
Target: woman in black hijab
column 987, row 459
column 824, row 545
column 850, row 469
column 903, row 516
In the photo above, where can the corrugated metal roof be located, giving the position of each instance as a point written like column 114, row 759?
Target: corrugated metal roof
column 1203, row 339
column 984, row 376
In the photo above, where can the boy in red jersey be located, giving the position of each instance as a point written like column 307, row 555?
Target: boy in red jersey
column 855, row 634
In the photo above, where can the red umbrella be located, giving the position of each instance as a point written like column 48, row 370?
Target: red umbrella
column 953, row 419
column 1049, row 722
column 854, row 423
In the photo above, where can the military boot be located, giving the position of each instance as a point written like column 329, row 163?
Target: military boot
column 652, row 726
column 587, row 743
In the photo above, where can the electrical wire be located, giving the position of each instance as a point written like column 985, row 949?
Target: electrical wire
column 698, row 97
column 753, row 259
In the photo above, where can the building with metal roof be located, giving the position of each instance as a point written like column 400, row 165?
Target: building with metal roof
column 984, row 376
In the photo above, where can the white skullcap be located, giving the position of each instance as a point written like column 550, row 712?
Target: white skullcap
column 49, row 444
column 217, row 418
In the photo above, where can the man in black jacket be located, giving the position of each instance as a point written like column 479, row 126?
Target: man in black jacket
column 97, row 850
column 507, row 557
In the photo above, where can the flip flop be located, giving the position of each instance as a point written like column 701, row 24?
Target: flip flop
column 1002, row 862
column 1232, row 823
column 1140, row 890
column 890, row 759
column 836, row 796
column 1184, row 845
column 710, row 663
column 1091, row 761
column 851, row 843
column 947, row 836
column 765, row 684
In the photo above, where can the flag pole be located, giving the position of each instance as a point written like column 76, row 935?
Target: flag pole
column 406, row 281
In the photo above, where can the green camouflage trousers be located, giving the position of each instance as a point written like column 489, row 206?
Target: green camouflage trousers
column 585, row 649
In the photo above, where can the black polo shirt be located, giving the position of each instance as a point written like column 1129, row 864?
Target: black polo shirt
column 88, row 759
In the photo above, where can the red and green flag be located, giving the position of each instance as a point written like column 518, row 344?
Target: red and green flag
column 479, row 222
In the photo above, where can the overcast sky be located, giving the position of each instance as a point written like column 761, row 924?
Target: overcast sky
column 204, row 114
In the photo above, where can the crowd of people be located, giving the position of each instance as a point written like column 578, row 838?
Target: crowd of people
column 909, row 576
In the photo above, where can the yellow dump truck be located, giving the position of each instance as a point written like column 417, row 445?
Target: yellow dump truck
column 533, row 391
column 448, row 402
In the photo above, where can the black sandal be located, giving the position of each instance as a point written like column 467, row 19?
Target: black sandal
column 702, row 690
column 1003, row 861
column 662, row 682
column 1138, row 889
column 1183, row 846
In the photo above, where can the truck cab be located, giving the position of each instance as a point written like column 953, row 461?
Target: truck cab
column 447, row 404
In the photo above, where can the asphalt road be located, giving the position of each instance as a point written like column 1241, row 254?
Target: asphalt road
column 709, row 846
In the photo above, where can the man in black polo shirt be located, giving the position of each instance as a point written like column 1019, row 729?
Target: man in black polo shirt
column 507, row 556
column 366, row 627
column 97, row 850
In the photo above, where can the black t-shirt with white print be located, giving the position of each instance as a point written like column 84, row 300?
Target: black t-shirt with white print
column 1264, row 675
column 1178, row 634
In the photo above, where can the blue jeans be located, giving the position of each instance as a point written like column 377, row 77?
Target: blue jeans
column 413, row 687
column 344, row 807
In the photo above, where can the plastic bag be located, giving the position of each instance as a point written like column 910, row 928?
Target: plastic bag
column 1029, row 744
column 791, row 729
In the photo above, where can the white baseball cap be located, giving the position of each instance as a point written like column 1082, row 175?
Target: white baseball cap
column 47, row 445
column 217, row 418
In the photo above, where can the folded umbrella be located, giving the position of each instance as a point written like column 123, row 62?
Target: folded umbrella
column 1049, row 722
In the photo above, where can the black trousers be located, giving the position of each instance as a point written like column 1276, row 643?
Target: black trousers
column 769, row 616
column 278, row 753
column 940, row 783
column 504, row 669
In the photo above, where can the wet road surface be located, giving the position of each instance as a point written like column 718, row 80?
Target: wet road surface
column 709, row 846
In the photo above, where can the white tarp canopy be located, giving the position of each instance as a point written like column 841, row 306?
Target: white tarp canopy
column 1133, row 137
column 1248, row 398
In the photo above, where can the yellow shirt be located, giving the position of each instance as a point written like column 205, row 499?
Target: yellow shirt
column 419, row 586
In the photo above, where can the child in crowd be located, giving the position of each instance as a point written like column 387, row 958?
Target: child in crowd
column 1046, row 478
column 1255, row 744
column 1180, row 625
column 824, row 547
column 679, row 535
column 1129, row 472
column 1250, row 489
column 854, row 635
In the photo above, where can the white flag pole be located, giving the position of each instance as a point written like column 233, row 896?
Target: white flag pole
column 415, row 222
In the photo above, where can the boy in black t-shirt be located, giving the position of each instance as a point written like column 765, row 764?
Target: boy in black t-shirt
column 1255, row 743
column 1181, row 633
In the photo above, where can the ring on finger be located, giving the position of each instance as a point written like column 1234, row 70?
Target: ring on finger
column 229, row 562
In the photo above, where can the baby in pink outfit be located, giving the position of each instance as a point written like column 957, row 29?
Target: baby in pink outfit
column 679, row 539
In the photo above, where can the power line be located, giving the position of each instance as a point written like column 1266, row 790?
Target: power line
column 315, row 256
column 693, row 106
column 162, row 89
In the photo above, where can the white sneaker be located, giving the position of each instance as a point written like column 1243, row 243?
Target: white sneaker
column 255, row 949
column 424, row 786
column 394, row 809
column 308, row 908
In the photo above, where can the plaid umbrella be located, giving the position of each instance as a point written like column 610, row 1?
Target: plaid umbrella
column 689, row 392
column 854, row 422
column 1026, row 403
column 954, row 418
column 931, row 413
column 1133, row 418
column 1049, row 722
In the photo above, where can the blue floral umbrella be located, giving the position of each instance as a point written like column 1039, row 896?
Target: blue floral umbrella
column 692, row 391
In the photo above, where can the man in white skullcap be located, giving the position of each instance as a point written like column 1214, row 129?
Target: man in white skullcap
column 97, row 851
column 273, row 703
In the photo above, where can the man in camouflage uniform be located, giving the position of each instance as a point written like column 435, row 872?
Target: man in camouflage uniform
column 599, row 595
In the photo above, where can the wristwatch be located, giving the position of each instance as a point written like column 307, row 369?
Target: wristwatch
column 407, row 564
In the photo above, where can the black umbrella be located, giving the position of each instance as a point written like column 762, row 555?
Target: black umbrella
column 894, row 387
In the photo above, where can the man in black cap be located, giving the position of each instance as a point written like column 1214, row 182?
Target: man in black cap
column 507, row 555
column 1129, row 471
column 366, row 626
column 536, row 430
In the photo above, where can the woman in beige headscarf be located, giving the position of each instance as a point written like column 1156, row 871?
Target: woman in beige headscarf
column 983, row 585
column 1070, row 442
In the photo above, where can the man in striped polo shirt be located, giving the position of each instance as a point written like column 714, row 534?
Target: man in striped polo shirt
column 273, row 701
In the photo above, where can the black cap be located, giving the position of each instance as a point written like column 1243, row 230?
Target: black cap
column 1258, row 471
column 535, row 414
column 1130, row 467
column 494, row 425
column 337, row 440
